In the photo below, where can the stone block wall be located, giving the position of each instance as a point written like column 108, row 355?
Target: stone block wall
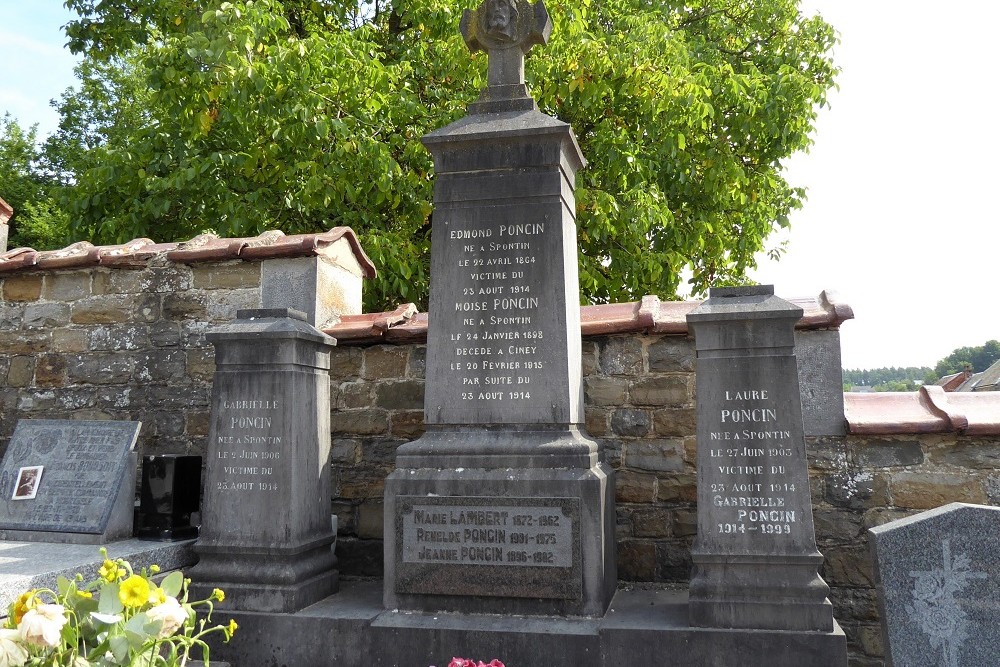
column 119, row 344
column 640, row 402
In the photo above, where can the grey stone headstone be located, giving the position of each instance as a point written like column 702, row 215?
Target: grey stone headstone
column 266, row 536
column 755, row 558
column 504, row 399
column 87, row 486
column 938, row 582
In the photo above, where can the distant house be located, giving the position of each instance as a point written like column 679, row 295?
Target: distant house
column 988, row 380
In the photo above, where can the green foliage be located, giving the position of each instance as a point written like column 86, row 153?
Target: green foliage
column 887, row 379
column 302, row 115
column 977, row 359
column 38, row 221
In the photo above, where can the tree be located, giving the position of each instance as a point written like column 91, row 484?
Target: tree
column 977, row 358
column 38, row 220
column 301, row 115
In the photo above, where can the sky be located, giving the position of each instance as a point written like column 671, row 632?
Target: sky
column 900, row 221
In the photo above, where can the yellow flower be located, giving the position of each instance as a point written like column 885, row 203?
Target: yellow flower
column 154, row 568
column 232, row 627
column 157, row 596
column 85, row 594
column 24, row 603
column 108, row 571
column 134, row 591
column 218, row 594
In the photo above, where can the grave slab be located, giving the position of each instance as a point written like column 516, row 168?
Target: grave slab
column 938, row 582
column 27, row 565
column 68, row 481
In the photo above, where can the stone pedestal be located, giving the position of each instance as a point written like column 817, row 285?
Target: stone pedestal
column 266, row 536
column 755, row 558
column 503, row 506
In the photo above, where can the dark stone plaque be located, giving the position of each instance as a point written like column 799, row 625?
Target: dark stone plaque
column 88, row 472
column 938, row 582
column 494, row 546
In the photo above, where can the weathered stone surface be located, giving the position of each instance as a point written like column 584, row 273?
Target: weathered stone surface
column 160, row 365
column 45, row 315
column 346, row 363
column 222, row 305
column 417, row 365
column 384, row 361
column 655, row 456
column 185, row 305
column 654, row 522
column 404, row 395
column 66, row 286
column 677, row 422
column 100, row 368
column 371, row 520
column 631, row 487
column 50, row 370
column 169, row 279
column 104, row 309
column 596, row 421
column 621, row 356
column 408, row 424
column 590, row 358
column 630, row 422
column 677, row 488
column 601, row 390
column 345, row 450
column 69, row 341
column 684, row 523
column 671, row 354
column 877, row 453
column 930, row 490
column 669, row 391
column 231, row 275
column 119, row 337
column 199, row 363
column 856, row 490
column 22, row 288
column 974, row 454
column 359, row 422
column 637, row 561
column 20, row 371
column 356, row 394
column 938, row 576
column 848, row 565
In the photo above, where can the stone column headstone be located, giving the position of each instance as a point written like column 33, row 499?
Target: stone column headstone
column 755, row 557
column 266, row 536
column 504, row 505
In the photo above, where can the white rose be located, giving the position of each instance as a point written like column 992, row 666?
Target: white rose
column 41, row 626
column 12, row 654
column 171, row 614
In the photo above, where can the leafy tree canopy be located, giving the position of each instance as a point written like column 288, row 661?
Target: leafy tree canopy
column 250, row 115
column 977, row 359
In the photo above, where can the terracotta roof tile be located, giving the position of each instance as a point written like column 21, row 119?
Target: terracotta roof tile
column 6, row 212
column 650, row 315
column 202, row 248
column 930, row 410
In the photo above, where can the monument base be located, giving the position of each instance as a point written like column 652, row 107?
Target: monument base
column 351, row 629
column 776, row 592
column 477, row 533
column 269, row 580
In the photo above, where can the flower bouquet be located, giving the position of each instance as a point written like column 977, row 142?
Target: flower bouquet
column 121, row 618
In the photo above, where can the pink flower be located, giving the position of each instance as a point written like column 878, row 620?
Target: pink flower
column 460, row 662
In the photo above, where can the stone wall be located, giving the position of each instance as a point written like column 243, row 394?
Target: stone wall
column 640, row 402
column 125, row 340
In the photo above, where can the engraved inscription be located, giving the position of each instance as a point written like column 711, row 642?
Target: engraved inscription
column 246, row 448
column 497, row 345
column 749, row 457
column 510, row 535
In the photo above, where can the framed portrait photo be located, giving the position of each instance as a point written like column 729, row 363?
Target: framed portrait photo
column 28, row 479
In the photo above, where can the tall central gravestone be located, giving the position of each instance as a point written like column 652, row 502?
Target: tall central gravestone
column 504, row 505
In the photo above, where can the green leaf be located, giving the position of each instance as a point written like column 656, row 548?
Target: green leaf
column 172, row 583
